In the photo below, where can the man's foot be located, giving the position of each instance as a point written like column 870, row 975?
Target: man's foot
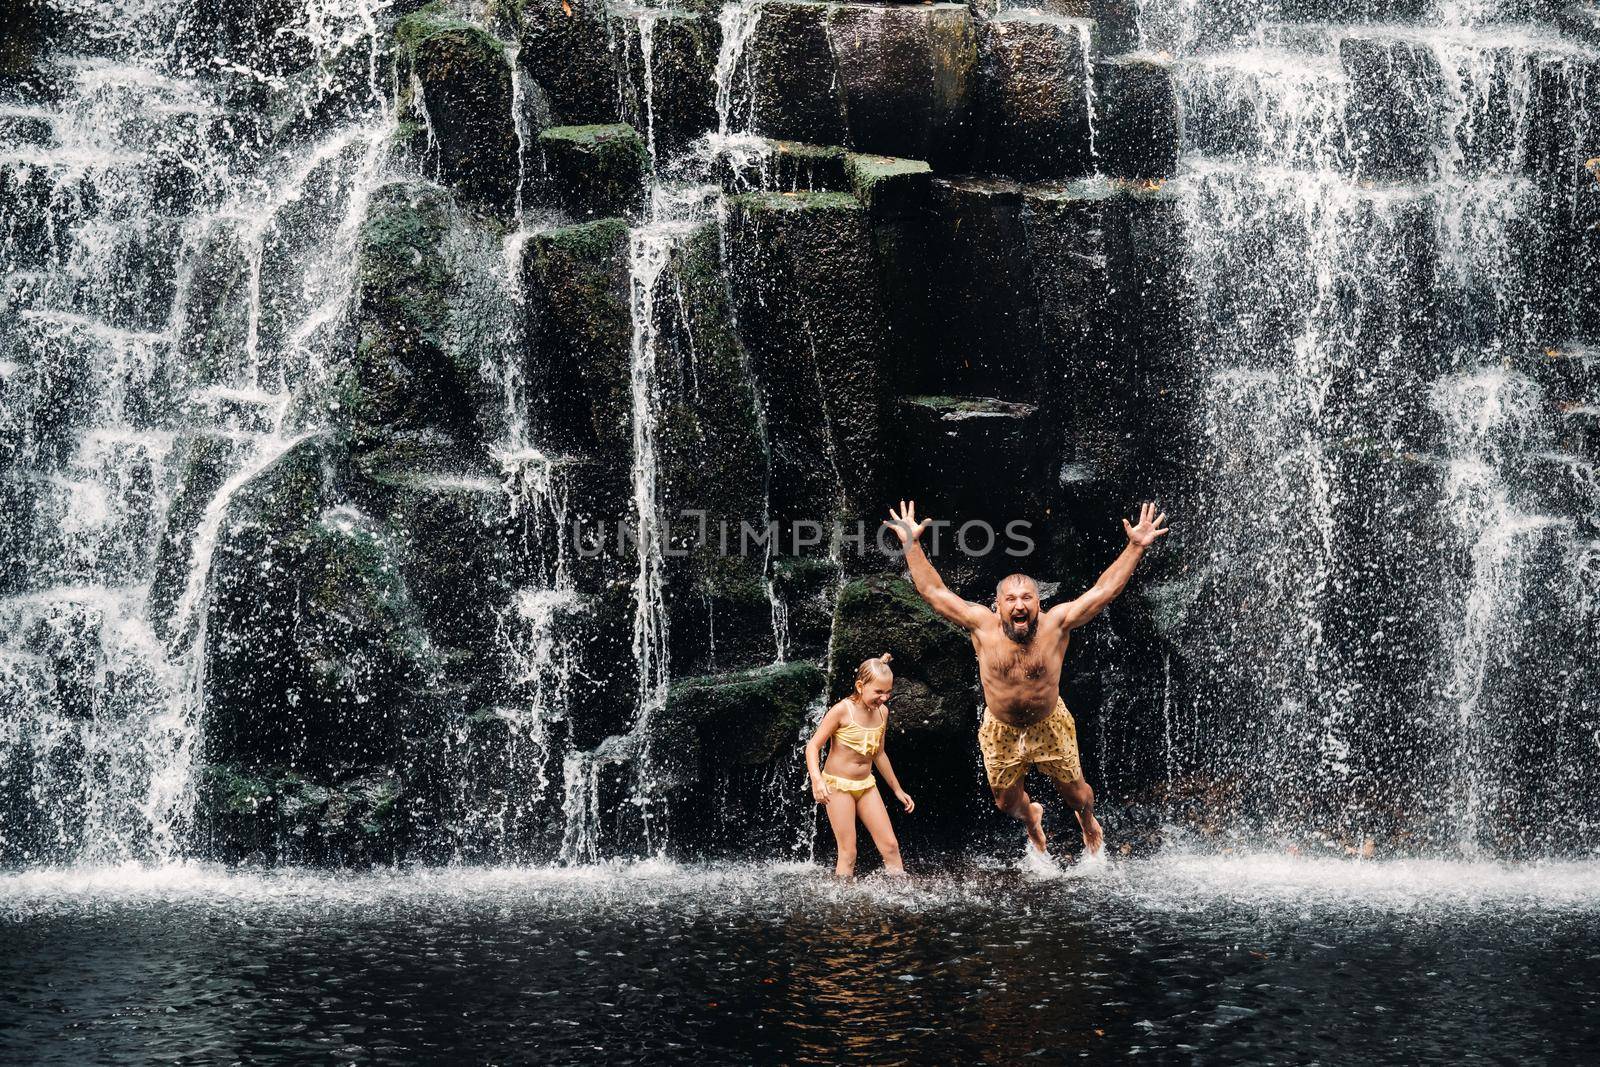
column 1035, row 824
column 1093, row 838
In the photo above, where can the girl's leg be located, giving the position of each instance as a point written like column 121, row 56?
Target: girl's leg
column 875, row 817
column 842, row 817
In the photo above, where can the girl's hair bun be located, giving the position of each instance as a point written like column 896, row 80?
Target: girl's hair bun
column 875, row 667
column 887, row 656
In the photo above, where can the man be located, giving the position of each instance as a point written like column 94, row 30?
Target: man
column 1025, row 722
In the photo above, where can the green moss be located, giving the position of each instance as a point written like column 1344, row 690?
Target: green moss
column 811, row 153
column 591, row 136
column 957, row 406
column 933, row 663
column 807, row 200
column 279, row 811
column 746, row 717
column 585, row 242
column 434, row 19
column 886, row 183
column 596, row 170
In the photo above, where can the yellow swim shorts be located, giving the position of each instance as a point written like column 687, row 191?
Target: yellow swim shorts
column 1051, row 744
column 856, row 787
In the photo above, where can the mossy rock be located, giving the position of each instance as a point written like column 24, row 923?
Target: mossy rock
column 596, row 171
column 811, row 315
column 749, row 717
column 935, row 670
column 458, row 94
column 576, row 278
column 278, row 814
column 316, row 655
column 889, row 188
column 568, row 49
column 428, row 320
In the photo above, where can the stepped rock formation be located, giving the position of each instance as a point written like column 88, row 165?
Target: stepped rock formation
column 459, row 432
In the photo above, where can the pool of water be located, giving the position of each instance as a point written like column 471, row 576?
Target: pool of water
column 1269, row 959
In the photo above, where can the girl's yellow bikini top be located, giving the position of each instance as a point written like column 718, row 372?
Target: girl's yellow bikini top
column 864, row 739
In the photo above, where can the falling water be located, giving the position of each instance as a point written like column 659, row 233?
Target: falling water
column 97, row 755
column 1341, row 309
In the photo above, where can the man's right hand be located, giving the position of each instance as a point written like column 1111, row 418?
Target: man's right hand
column 904, row 522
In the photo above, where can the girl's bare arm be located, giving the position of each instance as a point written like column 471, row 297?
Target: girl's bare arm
column 885, row 768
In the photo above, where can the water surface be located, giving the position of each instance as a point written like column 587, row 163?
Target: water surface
column 1179, row 957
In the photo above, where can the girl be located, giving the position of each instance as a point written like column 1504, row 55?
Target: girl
column 846, row 784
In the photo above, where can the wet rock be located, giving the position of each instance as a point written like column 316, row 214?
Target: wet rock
column 451, row 542
column 1400, row 107
column 896, row 194
column 1391, row 112
column 895, row 80
column 413, row 391
column 792, row 66
column 257, row 36
column 1137, row 124
column 1035, row 79
column 804, row 587
column 208, row 461
column 20, row 44
column 790, row 166
column 456, row 92
column 315, row 652
column 806, row 295
column 751, row 717
column 1581, row 20
column 887, row 187
column 984, row 338
column 1579, row 431
column 566, row 48
column 671, row 84
column 1066, row 237
column 595, row 171
column 577, row 281
column 277, row 814
column 216, row 305
column 712, row 464
column 1149, row 304
column 935, row 687
column 37, row 206
column 965, row 459
column 1561, row 484
column 907, row 75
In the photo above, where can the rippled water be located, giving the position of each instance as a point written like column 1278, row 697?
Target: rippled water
column 1183, row 956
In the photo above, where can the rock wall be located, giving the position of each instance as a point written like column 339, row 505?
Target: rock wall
column 517, row 368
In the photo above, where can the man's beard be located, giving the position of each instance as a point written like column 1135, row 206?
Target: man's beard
column 1019, row 633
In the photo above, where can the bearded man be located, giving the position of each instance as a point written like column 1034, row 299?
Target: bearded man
column 1025, row 721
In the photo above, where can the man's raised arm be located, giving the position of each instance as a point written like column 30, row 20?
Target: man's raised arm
column 929, row 585
column 1077, row 612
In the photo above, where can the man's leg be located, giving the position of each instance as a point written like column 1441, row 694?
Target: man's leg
column 1015, row 802
column 1080, row 798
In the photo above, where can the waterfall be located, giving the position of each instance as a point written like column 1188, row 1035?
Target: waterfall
column 103, row 677
column 1324, row 355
